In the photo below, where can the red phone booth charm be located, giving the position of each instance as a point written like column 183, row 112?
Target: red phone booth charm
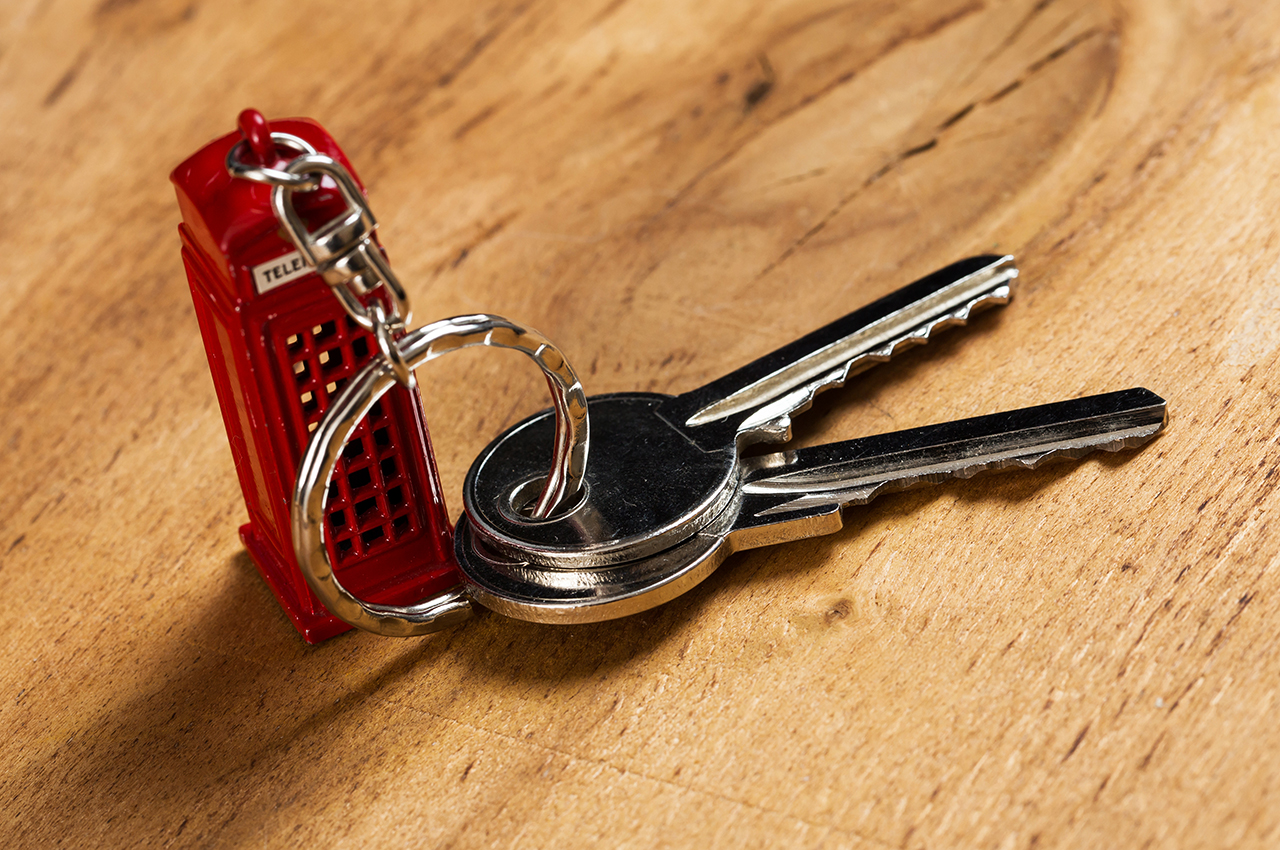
column 281, row 347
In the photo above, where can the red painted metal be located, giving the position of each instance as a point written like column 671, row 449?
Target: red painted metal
column 280, row 347
column 254, row 127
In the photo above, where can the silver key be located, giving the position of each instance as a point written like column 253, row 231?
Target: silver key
column 667, row 495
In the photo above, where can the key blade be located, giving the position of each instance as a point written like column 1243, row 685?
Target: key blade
column 808, row 487
column 759, row 399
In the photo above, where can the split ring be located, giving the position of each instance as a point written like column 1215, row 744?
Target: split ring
column 237, row 167
column 321, row 456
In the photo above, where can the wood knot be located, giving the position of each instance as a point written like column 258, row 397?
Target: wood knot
column 838, row 611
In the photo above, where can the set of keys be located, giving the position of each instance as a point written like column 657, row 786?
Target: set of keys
column 605, row 506
column 667, row 494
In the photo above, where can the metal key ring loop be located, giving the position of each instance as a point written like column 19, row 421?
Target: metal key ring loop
column 237, row 167
column 370, row 384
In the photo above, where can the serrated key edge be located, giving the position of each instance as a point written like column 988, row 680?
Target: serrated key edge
column 773, row 421
column 862, row 493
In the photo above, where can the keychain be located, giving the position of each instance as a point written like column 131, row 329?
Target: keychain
column 667, row 494
column 280, row 348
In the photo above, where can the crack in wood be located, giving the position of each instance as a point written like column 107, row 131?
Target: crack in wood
column 1012, row 37
column 932, row 28
column 474, row 121
column 1075, row 745
column 897, row 160
column 478, row 46
column 1220, row 637
column 64, row 82
column 607, row 12
column 465, row 251
column 761, row 89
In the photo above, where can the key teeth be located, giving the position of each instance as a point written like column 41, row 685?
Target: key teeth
column 862, row 494
column 777, row 428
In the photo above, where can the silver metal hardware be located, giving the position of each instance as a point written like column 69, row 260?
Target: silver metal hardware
column 668, row 495
column 237, row 166
column 343, row 250
column 414, row 349
column 387, row 347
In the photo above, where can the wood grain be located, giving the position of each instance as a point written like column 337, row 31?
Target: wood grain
column 1081, row 656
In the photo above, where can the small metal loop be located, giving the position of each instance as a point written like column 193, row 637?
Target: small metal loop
column 296, row 182
column 342, row 249
column 333, row 238
column 370, row 384
column 382, row 332
column 355, row 308
column 401, row 313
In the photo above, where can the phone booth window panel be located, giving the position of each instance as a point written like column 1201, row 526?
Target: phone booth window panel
column 373, row 492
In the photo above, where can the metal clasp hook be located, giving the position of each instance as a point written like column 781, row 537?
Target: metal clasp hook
column 342, row 249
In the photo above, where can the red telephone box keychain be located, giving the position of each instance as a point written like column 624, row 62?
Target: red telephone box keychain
column 280, row 348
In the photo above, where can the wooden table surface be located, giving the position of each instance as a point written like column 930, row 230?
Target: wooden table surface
column 1079, row 656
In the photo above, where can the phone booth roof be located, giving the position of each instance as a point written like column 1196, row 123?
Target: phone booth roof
column 227, row 214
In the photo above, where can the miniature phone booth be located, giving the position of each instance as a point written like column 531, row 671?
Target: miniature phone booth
column 280, row 346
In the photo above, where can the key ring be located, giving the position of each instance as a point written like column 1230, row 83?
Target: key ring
column 446, row 609
column 238, row 167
